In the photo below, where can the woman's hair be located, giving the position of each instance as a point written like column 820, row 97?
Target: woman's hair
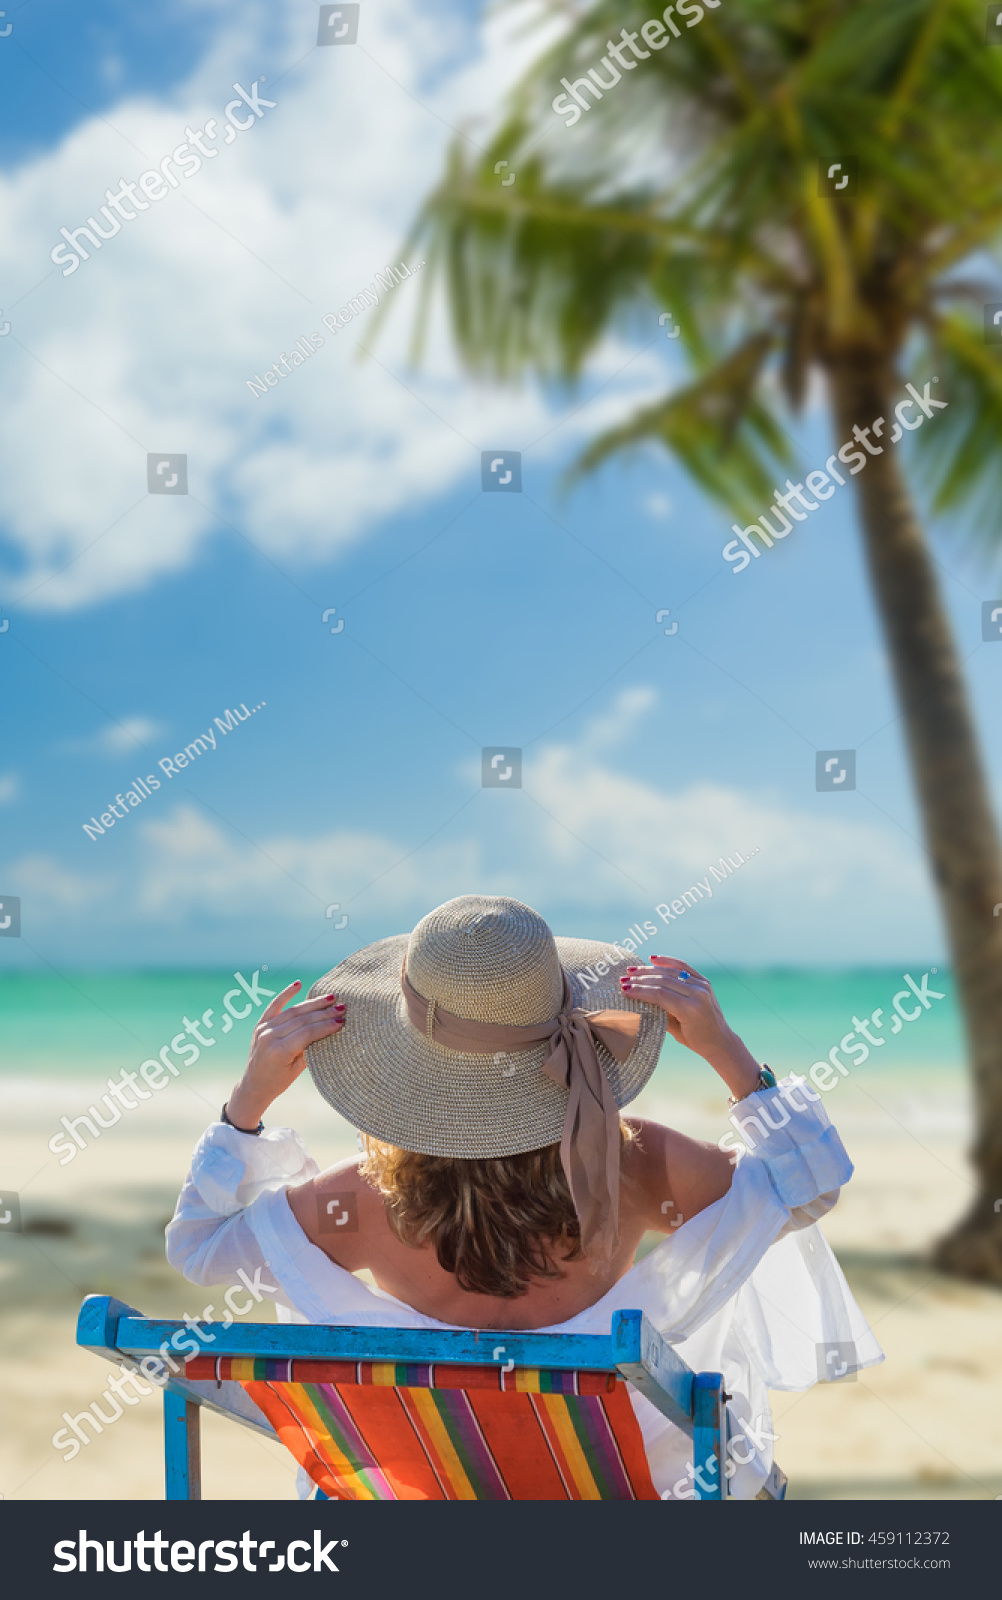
column 495, row 1223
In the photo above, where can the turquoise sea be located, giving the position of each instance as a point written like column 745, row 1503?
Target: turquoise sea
column 82, row 1023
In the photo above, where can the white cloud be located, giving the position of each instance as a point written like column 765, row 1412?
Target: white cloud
column 622, row 719
column 117, row 738
column 589, row 841
column 54, row 889
column 192, row 866
column 148, row 346
column 664, row 839
column 10, row 788
column 598, row 843
column 657, row 505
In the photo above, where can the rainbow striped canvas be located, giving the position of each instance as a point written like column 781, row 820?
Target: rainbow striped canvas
column 368, row 1430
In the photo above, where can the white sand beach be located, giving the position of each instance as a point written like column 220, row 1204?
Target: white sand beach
column 901, row 1430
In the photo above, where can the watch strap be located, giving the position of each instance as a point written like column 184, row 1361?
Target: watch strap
column 223, row 1117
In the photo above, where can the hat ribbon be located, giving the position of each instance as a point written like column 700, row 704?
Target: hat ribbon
column 590, row 1143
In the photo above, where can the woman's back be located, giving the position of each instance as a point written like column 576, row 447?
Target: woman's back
column 665, row 1177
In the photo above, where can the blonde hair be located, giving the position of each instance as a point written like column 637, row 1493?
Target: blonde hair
column 496, row 1223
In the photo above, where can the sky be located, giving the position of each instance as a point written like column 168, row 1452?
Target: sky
column 458, row 620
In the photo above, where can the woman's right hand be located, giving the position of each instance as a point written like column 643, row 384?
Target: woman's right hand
column 276, row 1056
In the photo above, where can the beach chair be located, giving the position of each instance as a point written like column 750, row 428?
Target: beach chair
column 411, row 1414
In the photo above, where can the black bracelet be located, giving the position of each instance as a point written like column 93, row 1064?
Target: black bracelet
column 252, row 1131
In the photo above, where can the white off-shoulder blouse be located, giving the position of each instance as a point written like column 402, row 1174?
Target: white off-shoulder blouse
column 749, row 1287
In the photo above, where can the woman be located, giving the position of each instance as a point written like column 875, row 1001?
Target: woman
column 499, row 1186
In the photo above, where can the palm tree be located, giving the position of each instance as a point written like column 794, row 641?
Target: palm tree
column 699, row 184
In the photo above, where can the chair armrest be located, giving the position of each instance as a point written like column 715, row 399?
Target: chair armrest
column 97, row 1324
column 653, row 1367
column 97, row 1331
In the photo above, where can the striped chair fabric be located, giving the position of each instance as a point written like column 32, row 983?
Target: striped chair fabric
column 368, row 1430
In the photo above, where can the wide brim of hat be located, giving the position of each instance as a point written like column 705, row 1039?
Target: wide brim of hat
column 390, row 1081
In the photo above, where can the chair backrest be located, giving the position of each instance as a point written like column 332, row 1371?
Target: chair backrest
column 369, row 1430
column 416, row 1414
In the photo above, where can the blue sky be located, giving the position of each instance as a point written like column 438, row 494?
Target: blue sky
column 470, row 619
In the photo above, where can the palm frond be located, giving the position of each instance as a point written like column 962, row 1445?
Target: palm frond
column 694, row 186
column 959, row 462
column 727, row 439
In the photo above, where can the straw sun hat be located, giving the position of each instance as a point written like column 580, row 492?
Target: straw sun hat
column 491, row 961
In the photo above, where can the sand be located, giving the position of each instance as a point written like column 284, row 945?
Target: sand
column 902, row 1430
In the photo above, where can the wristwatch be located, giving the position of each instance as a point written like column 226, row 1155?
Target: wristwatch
column 766, row 1080
column 253, row 1131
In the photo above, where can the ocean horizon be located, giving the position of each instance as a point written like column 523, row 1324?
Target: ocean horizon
column 81, row 1023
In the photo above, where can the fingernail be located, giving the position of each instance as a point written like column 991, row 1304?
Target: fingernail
column 633, row 969
column 297, row 983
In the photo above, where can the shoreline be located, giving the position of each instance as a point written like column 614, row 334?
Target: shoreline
column 95, row 1225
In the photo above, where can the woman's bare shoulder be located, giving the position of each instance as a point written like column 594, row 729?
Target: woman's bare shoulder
column 671, row 1176
column 337, row 1210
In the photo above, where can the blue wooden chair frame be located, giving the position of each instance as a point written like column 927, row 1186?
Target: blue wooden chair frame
column 695, row 1402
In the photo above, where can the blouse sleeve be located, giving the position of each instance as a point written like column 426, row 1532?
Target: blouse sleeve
column 789, row 1174
column 209, row 1239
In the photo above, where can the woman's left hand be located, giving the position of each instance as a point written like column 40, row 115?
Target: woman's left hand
column 694, row 1017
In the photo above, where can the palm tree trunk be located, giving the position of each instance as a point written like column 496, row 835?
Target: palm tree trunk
column 960, row 831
